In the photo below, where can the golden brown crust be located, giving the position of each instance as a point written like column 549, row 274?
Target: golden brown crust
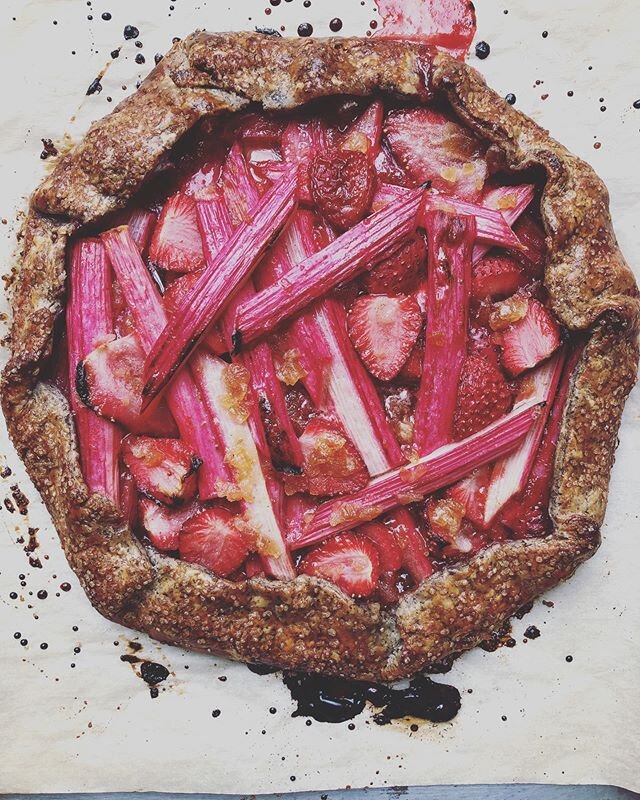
column 307, row 623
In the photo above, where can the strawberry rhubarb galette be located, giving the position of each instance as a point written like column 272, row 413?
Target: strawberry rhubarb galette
column 319, row 355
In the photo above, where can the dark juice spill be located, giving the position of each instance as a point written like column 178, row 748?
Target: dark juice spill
column 337, row 700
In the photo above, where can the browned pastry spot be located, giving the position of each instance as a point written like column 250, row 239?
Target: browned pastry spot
column 309, row 624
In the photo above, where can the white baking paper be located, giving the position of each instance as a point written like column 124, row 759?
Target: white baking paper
column 528, row 715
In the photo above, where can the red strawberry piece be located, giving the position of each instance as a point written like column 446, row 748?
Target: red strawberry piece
column 413, row 546
column 400, row 270
column 110, row 382
column 530, row 340
column 300, row 142
column 386, row 544
column 496, row 277
column 176, row 245
column 164, row 469
column 481, row 342
column 531, row 235
column 388, row 169
column 471, row 493
column 173, row 297
column 299, row 408
column 342, row 185
column 331, row 463
column 253, row 568
column 387, row 589
column 466, row 543
column 162, row 524
column 431, row 147
column 215, row 539
column 384, row 329
column 483, row 396
column 348, row 560
column 412, row 369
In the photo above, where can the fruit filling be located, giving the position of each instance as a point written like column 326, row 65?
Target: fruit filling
column 320, row 345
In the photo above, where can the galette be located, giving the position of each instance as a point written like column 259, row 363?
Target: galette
column 319, row 354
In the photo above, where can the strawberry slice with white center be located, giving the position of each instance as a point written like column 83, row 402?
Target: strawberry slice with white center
column 348, row 560
column 431, row 147
column 383, row 329
column 215, row 539
column 164, row 469
column 386, row 545
column 530, row 340
column 176, row 245
column 471, row 493
column 162, row 524
column 109, row 381
column 331, row 463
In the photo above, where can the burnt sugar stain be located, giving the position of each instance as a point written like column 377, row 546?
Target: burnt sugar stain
column 305, row 29
column 95, row 87
column 49, row 149
column 338, row 700
column 532, row 632
column 335, row 25
column 130, row 32
column 20, row 499
column 262, row 669
column 482, row 50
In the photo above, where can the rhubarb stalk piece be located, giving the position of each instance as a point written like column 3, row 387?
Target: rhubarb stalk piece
column 141, row 224
column 509, row 475
column 450, row 242
column 219, row 282
column 218, row 385
column 334, row 376
column 196, row 428
column 216, row 218
column 89, row 323
column 511, row 202
column 412, row 483
column 344, row 258
column 492, row 228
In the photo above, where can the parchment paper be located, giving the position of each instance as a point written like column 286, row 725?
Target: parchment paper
column 532, row 716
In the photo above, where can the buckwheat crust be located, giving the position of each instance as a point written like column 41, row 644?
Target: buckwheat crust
column 309, row 624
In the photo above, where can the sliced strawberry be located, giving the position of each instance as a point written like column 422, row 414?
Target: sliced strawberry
column 331, row 465
column 386, row 544
column 431, row 147
column 342, row 186
column 365, row 133
column 173, row 298
column 384, row 329
column 176, row 245
column 483, row 396
column 109, row 380
column 530, row 340
column 534, row 255
column 399, row 271
column 162, row 524
column 496, row 276
column 164, row 469
column 412, row 369
column 471, row 493
column 215, row 539
column 413, row 546
column 348, row 560
column 388, row 169
column 299, row 408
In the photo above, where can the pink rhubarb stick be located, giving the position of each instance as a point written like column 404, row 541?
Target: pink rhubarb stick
column 89, row 323
column 196, row 427
column 242, row 454
column 215, row 289
column 511, row 202
column 335, row 377
column 448, row 287
column 345, row 257
column 141, row 224
column 411, row 483
column 509, row 475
